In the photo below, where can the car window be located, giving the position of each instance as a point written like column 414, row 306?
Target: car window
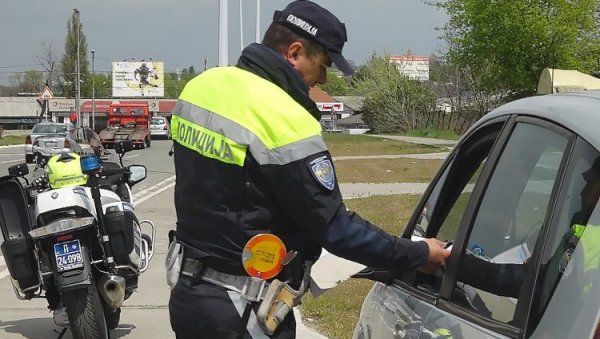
column 575, row 207
column 157, row 121
column 447, row 202
column 508, row 221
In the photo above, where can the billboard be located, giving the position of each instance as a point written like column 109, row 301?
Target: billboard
column 138, row 79
column 414, row 67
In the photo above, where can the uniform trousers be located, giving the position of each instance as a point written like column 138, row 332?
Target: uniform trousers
column 202, row 310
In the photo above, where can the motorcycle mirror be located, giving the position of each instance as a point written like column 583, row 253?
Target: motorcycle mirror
column 19, row 170
column 137, row 173
column 124, row 146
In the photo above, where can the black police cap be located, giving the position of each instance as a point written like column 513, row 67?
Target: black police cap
column 316, row 23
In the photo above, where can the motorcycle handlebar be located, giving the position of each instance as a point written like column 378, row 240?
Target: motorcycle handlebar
column 110, row 171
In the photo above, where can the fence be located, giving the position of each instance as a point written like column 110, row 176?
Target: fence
column 458, row 122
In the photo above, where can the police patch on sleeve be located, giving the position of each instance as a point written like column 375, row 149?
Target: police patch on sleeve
column 322, row 170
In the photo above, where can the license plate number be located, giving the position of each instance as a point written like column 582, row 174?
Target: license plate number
column 68, row 255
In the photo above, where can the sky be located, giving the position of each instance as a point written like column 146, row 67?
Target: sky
column 183, row 33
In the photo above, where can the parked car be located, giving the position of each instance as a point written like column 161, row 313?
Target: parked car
column 159, row 127
column 51, row 135
column 517, row 203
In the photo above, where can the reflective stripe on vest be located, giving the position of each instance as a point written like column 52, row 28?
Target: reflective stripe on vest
column 240, row 110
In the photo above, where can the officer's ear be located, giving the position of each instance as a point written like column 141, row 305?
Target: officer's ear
column 293, row 52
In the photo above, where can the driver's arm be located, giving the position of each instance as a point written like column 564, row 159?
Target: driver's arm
column 500, row 279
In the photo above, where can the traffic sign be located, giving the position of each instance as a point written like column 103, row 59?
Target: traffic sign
column 46, row 94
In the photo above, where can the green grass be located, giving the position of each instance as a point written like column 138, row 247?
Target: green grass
column 340, row 144
column 12, row 140
column 386, row 170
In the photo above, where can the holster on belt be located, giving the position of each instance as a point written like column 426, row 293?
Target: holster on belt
column 173, row 263
column 279, row 300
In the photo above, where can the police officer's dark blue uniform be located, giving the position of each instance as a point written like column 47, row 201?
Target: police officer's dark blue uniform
column 250, row 159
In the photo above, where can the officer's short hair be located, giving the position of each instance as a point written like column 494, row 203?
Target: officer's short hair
column 278, row 37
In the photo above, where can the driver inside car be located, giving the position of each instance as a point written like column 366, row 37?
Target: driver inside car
column 506, row 279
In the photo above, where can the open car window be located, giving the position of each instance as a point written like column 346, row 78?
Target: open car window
column 443, row 210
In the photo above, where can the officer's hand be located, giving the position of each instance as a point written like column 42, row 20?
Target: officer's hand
column 437, row 255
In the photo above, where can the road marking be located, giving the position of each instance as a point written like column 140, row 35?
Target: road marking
column 153, row 191
column 131, row 156
column 9, row 161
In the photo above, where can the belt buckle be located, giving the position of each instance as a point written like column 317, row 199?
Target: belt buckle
column 253, row 289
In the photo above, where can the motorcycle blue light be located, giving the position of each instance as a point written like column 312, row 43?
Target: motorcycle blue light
column 90, row 163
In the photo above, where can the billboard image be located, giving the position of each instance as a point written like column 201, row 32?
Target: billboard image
column 414, row 67
column 138, row 79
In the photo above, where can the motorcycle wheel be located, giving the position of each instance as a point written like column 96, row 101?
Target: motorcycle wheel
column 86, row 314
column 113, row 318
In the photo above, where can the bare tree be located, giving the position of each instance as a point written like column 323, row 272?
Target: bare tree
column 50, row 65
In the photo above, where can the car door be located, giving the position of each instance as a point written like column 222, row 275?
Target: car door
column 493, row 199
column 495, row 209
column 401, row 309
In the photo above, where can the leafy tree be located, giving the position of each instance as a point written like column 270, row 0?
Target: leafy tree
column 173, row 86
column 393, row 103
column 102, row 85
column 512, row 41
column 69, row 60
column 335, row 85
column 30, row 81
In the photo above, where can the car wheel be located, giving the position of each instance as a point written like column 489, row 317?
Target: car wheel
column 148, row 142
column 29, row 158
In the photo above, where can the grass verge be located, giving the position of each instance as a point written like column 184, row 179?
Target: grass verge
column 340, row 144
column 12, row 140
column 386, row 170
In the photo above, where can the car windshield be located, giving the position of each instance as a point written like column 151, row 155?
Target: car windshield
column 157, row 121
column 49, row 129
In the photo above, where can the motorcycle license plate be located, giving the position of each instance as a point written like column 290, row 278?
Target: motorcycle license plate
column 68, row 255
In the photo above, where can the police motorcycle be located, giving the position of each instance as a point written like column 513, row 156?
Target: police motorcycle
column 71, row 236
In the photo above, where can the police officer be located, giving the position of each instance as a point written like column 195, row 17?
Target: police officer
column 250, row 160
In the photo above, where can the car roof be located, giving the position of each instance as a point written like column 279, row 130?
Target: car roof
column 577, row 111
column 50, row 123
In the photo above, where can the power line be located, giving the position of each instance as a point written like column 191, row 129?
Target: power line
column 18, row 66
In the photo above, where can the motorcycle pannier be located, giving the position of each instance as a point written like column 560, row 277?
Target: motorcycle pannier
column 21, row 262
column 15, row 223
column 119, row 225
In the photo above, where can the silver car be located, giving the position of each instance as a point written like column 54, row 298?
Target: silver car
column 48, row 137
column 517, row 203
column 159, row 127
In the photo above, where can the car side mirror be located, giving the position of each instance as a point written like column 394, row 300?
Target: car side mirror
column 124, row 146
column 19, row 170
column 137, row 173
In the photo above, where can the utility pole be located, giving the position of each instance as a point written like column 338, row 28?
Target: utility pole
column 93, row 94
column 78, row 94
column 257, row 21
column 223, row 41
column 241, row 27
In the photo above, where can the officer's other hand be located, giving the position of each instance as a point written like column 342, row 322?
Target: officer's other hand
column 437, row 255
